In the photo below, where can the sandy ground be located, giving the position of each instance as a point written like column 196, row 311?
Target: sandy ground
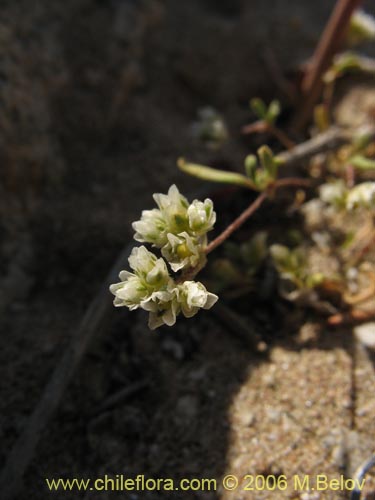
column 97, row 101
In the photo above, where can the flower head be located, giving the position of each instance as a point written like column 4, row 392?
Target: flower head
column 130, row 292
column 173, row 208
column 187, row 297
column 151, row 228
column 201, row 216
column 183, row 250
column 362, row 195
column 192, row 296
column 137, row 289
column 170, row 217
column 148, row 267
column 164, row 312
column 174, row 215
column 334, row 193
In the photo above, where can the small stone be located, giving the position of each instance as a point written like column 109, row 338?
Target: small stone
column 365, row 333
column 247, row 419
column 310, row 496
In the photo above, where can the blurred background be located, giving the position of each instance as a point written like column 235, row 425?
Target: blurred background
column 97, row 101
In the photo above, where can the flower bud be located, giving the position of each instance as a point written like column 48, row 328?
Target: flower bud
column 201, row 216
column 192, row 296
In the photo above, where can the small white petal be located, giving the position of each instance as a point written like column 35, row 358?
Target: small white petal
column 118, row 302
column 124, row 275
column 169, row 317
column 211, row 300
column 114, row 287
column 154, row 321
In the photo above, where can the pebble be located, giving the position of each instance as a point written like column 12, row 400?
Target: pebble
column 246, row 419
column 365, row 333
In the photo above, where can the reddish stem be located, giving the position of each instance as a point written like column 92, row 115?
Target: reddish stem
column 261, row 127
column 253, row 207
column 258, row 127
column 329, row 43
column 237, row 222
column 292, row 181
column 282, row 137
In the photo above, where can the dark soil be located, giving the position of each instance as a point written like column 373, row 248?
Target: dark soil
column 97, row 101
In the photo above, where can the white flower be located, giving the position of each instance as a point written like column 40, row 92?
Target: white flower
column 148, row 267
column 170, row 217
column 183, row 250
column 173, row 200
column 151, row 228
column 201, row 216
column 137, row 289
column 187, row 298
column 130, row 292
column 173, row 208
column 164, row 312
column 362, row 195
column 333, row 193
column 192, row 296
column 174, row 216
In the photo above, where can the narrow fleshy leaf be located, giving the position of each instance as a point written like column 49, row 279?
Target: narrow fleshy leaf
column 213, row 174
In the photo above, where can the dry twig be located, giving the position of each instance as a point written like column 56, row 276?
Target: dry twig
column 330, row 42
column 327, row 141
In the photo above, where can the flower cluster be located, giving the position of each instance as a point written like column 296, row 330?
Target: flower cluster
column 334, row 193
column 360, row 196
column 179, row 230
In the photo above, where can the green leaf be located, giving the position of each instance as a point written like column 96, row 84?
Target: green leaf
column 251, row 164
column 313, row 280
column 268, row 161
column 259, row 108
column 215, row 175
column 361, row 139
column 348, row 62
column 273, row 112
column 362, row 162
